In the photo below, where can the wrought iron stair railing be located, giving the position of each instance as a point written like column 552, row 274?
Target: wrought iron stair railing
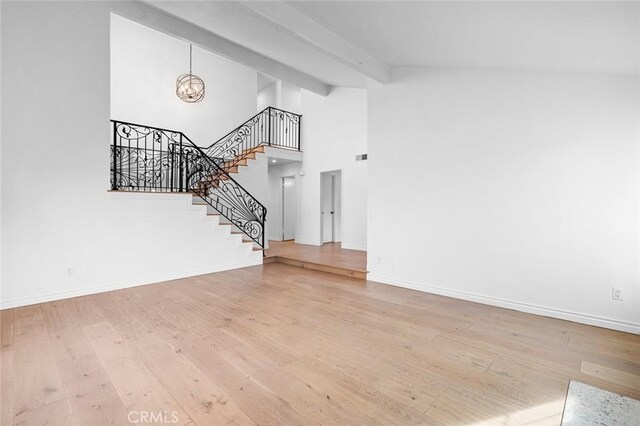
column 271, row 127
column 145, row 158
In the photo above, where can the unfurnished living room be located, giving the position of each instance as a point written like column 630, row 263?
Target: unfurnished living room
column 319, row 213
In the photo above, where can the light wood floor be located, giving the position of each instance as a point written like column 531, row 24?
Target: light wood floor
column 330, row 257
column 280, row 345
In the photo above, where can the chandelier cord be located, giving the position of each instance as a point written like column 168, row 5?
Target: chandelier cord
column 189, row 87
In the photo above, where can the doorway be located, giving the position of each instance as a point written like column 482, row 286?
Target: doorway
column 288, row 208
column 330, row 206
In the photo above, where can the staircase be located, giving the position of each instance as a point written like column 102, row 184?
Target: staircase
column 153, row 159
column 270, row 127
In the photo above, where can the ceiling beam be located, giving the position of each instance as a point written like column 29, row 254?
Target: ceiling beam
column 159, row 20
column 297, row 24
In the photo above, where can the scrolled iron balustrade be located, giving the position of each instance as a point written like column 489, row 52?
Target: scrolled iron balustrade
column 271, row 126
column 145, row 158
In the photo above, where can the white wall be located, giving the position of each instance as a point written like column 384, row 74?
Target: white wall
column 281, row 95
column 144, row 66
column 268, row 96
column 56, row 211
column 290, row 97
column 514, row 188
column 334, row 131
column 1, row 210
column 274, row 203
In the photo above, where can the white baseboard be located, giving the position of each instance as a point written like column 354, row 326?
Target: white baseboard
column 25, row 301
column 511, row 304
column 353, row 247
column 309, row 243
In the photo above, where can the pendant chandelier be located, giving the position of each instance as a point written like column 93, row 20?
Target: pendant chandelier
column 189, row 87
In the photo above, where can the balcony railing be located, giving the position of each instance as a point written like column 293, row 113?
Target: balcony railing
column 152, row 159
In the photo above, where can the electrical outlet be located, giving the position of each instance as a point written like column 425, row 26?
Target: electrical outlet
column 617, row 293
column 70, row 272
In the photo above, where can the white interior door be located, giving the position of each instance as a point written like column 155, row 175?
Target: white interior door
column 288, row 208
column 337, row 206
column 327, row 207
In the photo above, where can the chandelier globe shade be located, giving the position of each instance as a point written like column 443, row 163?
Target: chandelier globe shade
column 190, row 87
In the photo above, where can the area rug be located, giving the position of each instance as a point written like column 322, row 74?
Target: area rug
column 587, row 405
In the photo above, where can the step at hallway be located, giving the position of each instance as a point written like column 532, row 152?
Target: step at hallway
column 330, row 257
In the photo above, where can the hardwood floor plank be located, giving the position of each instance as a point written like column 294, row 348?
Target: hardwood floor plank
column 621, row 378
column 56, row 413
column 136, row 385
column 605, row 348
column 359, row 396
column 6, row 329
column 258, row 341
column 36, row 378
column 446, row 411
column 518, row 335
column 419, row 350
column 6, row 367
column 84, row 309
column 393, row 311
column 516, row 349
column 28, row 324
column 199, row 396
column 535, row 380
column 475, row 355
column 258, row 402
column 91, row 395
column 276, row 344
column 444, row 371
column 58, row 317
column 386, row 375
column 318, row 406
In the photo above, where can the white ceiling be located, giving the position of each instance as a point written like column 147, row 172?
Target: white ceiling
column 240, row 24
column 280, row 161
column 579, row 36
column 586, row 36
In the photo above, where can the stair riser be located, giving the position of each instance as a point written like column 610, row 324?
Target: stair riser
column 318, row 267
column 225, row 225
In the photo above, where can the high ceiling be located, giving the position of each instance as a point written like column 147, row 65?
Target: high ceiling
column 342, row 43
column 240, row 24
column 584, row 36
